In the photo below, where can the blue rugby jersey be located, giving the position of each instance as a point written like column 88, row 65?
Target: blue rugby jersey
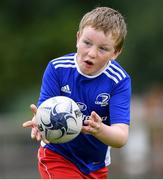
column 107, row 93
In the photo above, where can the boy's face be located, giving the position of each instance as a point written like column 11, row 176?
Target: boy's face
column 94, row 50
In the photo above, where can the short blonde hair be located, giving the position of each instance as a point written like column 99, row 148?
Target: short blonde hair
column 109, row 21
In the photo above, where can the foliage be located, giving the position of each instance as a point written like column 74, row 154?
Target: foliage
column 34, row 32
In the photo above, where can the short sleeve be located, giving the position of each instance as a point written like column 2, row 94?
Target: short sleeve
column 120, row 102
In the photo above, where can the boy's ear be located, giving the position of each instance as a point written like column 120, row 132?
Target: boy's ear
column 77, row 35
column 116, row 54
column 77, row 38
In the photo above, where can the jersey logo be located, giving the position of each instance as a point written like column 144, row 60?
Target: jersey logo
column 102, row 99
column 66, row 89
column 82, row 106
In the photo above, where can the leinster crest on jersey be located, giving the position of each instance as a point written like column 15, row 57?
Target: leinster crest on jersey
column 102, row 99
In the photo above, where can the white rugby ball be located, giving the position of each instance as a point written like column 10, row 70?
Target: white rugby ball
column 59, row 119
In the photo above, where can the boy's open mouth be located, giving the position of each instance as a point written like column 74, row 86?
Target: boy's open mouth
column 88, row 62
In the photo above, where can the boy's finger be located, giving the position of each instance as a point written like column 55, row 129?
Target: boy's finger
column 33, row 133
column 33, row 108
column 38, row 136
column 27, row 124
column 95, row 116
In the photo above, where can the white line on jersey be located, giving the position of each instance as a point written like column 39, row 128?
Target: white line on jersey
column 63, row 61
column 65, row 66
column 117, row 68
column 111, row 77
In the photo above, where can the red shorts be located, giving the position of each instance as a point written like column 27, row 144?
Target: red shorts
column 54, row 166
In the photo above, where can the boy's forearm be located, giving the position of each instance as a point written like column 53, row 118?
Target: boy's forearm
column 115, row 135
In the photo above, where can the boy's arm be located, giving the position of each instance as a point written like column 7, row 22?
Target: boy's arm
column 115, row 135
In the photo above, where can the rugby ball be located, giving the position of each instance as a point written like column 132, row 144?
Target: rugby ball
column 59, row 119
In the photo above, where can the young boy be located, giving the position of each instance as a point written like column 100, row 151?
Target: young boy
column 101, row 87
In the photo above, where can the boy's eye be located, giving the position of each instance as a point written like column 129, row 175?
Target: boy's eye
column 103, row 49
column 87, row 42
column 106, row 49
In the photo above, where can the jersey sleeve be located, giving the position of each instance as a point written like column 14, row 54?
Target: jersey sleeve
column 120, row 102
column 50, row 84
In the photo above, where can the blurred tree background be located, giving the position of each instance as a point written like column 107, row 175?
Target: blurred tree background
column 35, row 31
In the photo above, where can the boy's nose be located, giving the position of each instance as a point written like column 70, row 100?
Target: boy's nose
column 92, row 52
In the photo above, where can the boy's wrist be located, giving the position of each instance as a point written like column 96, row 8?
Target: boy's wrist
column 99, row 131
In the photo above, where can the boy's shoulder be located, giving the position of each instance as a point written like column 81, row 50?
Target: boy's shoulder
column 114, row 64
column 64, row 61
column 64, row 57
column 115, row 72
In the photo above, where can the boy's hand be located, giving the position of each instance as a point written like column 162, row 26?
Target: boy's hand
column 93, row 124
column 35, row 133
